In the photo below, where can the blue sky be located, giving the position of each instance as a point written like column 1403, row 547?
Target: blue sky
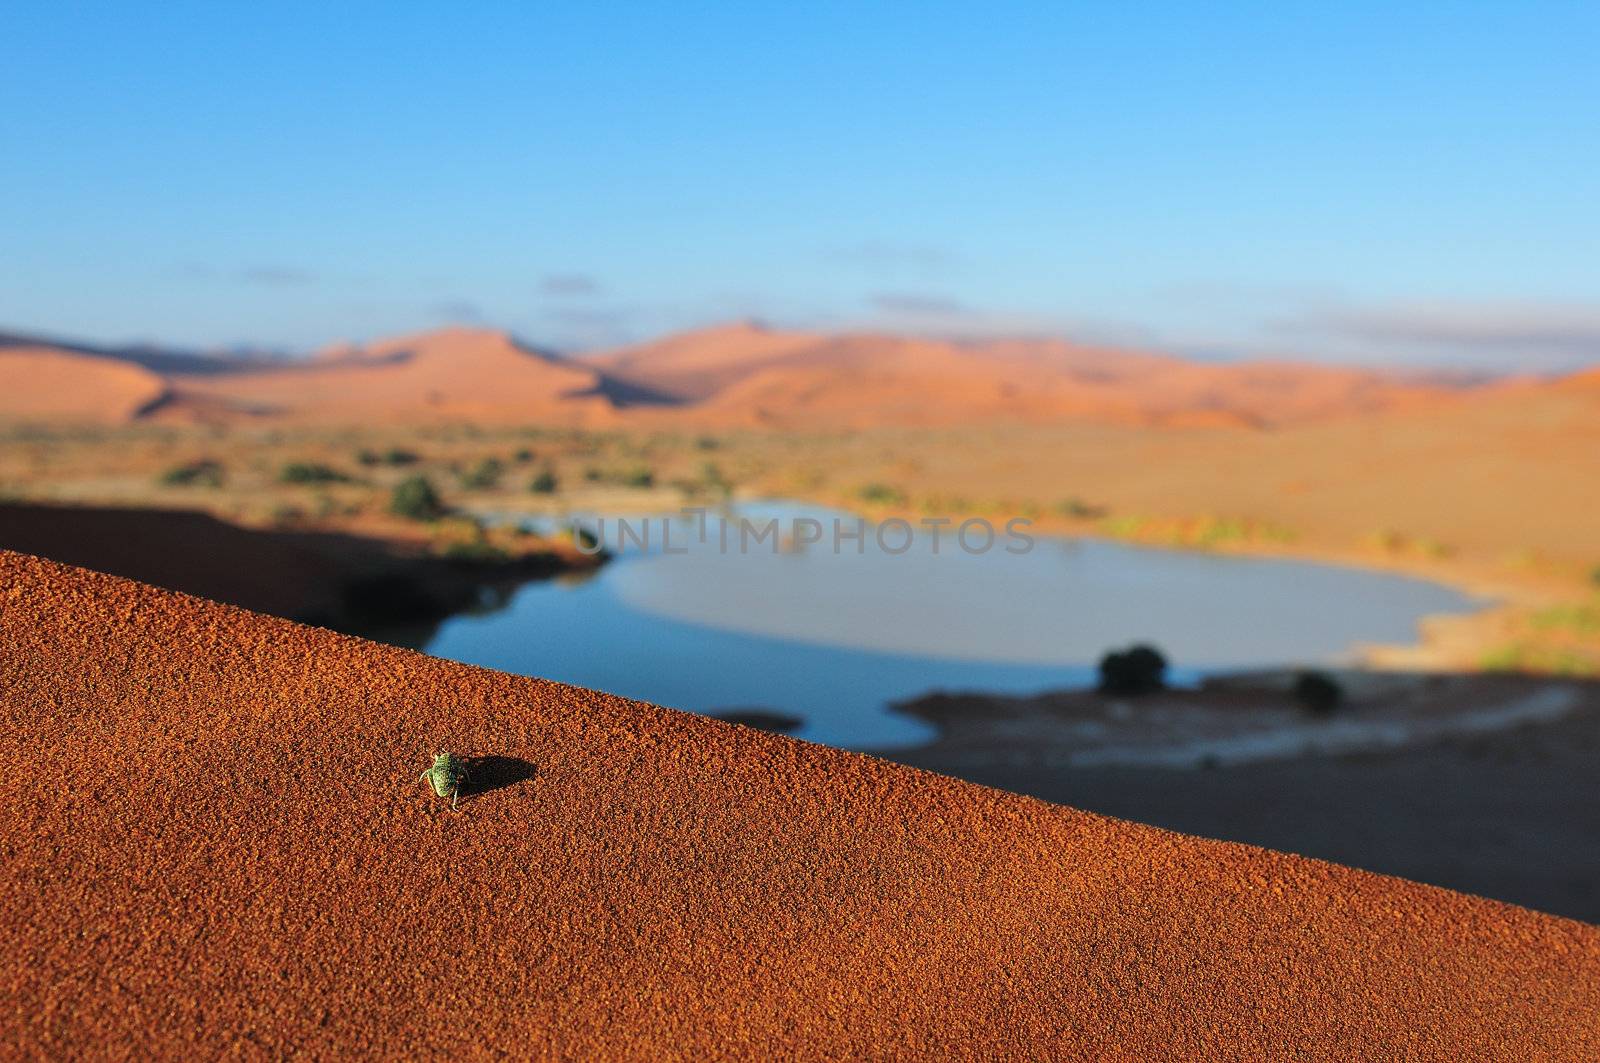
column 1368, row 182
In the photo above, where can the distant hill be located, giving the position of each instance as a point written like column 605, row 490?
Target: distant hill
column 737, row 374
column 45, row 384
column 157, row 359
column 745, row 373
column 453, row 374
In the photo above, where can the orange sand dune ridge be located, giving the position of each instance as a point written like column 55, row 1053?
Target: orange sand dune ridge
column 740, row 374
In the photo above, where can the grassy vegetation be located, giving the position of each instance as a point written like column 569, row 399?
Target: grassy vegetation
column 394, row 456
column 483, row 475
column 1534, row 657
column 477, row 552
column 637, row 476
column 1075, row 508
column 1194, row 533
column 1575, row 618
column 202, row 473
column 881, row 494
column 545, row 482
column 311, row 472
column 1396, row 543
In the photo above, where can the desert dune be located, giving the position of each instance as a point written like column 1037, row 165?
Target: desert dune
column 732, row 375
column 218, row 844
column 53, row 385
column 452, row 374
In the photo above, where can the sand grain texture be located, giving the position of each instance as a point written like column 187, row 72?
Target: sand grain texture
column 215, row 843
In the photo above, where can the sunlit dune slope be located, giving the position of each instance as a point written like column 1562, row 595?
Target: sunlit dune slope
column 746, row 374
column 43, row 384
column 452, row 374
column 216, row 844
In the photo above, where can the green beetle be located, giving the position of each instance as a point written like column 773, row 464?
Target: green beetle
column 447, row 774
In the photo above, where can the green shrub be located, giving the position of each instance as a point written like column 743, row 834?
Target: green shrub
column 880, row 494
column 1077, row 509
column 1434, row 549
column 477, row 553
column 397, row 456
column 1319, row 692
column 712, row 476
column 639, row 476
column 483, row 475
column 415, row 499
column 1139, row 669
column 202, row 473
column 1126, row 526
column 545, row 483
column 311, row 472
column 522, row 456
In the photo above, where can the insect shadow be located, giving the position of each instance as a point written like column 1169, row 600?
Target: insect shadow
column 487, row 774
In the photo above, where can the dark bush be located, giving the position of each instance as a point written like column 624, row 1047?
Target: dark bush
column 545, row 483
column 483, row 475
column 882, row 495
column 311, row 472
column 203, row 473
column 415, row 498
column 1137, row 670
column 393, row 456
column 477, row 552
column 1319, row 692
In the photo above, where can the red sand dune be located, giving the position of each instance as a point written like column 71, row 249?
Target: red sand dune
column 736, row 374
column 49, row 384
column 746, row 374
column 452, row 374
column 693, row 366
column 216, row 844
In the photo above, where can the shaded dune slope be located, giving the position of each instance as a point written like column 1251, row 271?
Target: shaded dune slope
column 215, row 842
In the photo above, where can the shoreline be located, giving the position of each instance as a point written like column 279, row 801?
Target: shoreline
column 1482, row 783
column 1445, row 641
column 355, row 580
